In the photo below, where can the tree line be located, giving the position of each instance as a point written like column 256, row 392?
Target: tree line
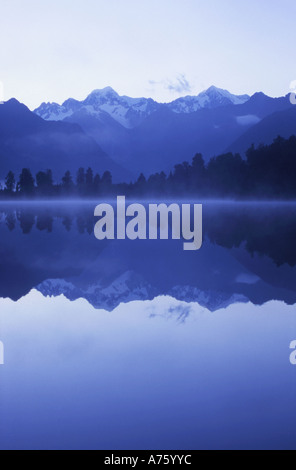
column 243, row 227
column 268, row 171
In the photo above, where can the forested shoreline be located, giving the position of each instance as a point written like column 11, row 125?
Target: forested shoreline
column 267, row 172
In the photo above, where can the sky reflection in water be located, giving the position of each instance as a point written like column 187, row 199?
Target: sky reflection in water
column 167, row 373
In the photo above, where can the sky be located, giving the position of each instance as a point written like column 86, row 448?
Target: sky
column 52, row 50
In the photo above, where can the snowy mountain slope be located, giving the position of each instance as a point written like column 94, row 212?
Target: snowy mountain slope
column 209, row 99
column 130, row 112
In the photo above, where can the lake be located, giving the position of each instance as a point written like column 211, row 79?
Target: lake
column 126, row 344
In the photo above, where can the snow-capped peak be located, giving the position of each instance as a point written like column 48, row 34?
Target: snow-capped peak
column 218, row 95
column 130, row 112
column 104, row 91
column 104, row 94
column 213, row 97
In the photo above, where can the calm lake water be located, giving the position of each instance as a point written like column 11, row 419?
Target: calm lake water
column 141, row 345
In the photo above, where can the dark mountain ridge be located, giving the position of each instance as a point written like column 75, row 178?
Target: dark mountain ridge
column 26, row 140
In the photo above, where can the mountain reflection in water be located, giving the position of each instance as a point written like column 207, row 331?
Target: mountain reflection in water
column 248, row 254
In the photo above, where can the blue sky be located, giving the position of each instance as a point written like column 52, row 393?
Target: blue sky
column 51, row 50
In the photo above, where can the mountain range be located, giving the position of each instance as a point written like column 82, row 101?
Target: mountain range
column 26, row 140
column 128, row 136
column 145, row 136
column 130, row 112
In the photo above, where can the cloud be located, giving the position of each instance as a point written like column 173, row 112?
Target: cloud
column 178, row 85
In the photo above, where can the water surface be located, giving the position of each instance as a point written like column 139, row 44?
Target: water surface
column 140, row 345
